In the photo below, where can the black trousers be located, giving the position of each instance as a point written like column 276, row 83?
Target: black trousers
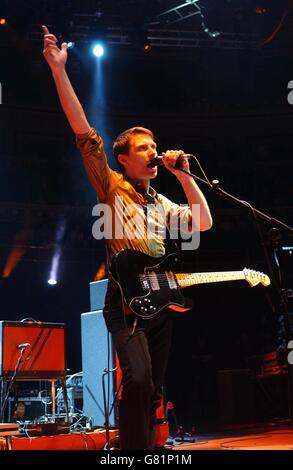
column 143, row 358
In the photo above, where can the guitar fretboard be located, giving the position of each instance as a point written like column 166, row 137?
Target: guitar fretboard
column 185, row 280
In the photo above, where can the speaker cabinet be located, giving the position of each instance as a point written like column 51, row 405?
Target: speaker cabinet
column 95, row 346
column 97, row 355
column 236, row 396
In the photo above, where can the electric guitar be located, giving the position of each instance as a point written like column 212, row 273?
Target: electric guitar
column 148, row 285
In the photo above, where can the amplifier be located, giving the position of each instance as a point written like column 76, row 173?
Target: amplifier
column 236, row 389
column 30, row 409
column 44, row 356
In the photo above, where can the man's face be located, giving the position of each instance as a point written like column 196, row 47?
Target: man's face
column 142, row 149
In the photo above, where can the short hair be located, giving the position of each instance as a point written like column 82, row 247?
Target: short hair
column 122, row 142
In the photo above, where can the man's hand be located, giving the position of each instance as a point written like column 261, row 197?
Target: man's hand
column 170, row 158
column 192, row 191
column 55, row 57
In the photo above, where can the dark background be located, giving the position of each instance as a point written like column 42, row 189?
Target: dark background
column 224, row 100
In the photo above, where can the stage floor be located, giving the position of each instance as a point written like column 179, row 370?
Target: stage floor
column 263, row 437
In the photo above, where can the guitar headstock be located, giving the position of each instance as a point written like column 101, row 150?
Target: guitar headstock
column 255, row 277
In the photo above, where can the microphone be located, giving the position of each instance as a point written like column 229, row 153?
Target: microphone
column 158, row 161
column 23, row 345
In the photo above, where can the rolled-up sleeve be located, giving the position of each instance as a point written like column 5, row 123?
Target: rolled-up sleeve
column 95, row 161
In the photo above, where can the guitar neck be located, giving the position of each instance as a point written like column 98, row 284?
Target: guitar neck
column 186, row 280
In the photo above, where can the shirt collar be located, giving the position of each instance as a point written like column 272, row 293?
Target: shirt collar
column 136, row 183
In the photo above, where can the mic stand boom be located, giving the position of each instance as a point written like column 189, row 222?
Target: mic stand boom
column 215, row 185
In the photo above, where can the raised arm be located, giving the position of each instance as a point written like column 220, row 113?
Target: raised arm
column 89, row 142
column 56, row 58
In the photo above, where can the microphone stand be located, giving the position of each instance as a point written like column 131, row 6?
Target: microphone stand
column 275, row 234
column 5, row 400
column 215, row 185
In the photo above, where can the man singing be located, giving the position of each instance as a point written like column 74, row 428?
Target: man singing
column 143, row 350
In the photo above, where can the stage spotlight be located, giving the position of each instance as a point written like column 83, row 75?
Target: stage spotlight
column 53, row 276
column 98, row 50
column 147, row 47
column 2, row 21
column 54, row 267
column 70, row 45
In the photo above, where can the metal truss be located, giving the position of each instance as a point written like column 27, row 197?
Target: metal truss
column 165, row 38
column 185, row 39
column 158, row 33
column 181, row 12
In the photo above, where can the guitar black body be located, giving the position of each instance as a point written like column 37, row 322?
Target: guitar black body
column 148, row 284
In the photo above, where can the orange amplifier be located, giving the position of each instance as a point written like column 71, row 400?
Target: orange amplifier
column 43, row 347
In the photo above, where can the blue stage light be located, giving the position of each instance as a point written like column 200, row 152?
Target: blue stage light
column 98, row 50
